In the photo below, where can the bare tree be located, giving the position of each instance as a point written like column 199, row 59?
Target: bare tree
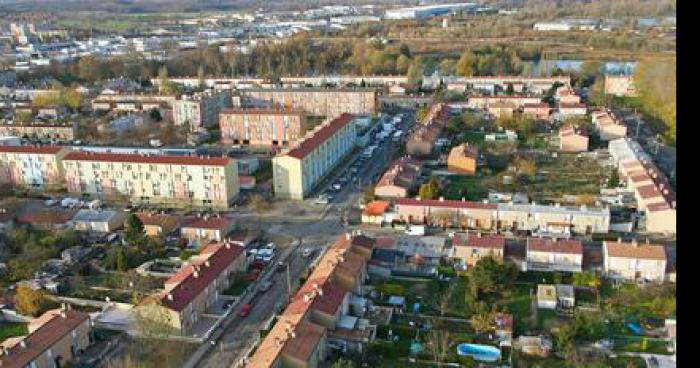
column 439, row 343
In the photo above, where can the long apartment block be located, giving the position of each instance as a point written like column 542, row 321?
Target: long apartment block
column 65, row 132
column 32, row 166
column 265, row 127
column 298, row 171
column 178, row 181
column 314, row 101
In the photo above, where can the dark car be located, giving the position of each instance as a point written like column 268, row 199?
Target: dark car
column 245, row 310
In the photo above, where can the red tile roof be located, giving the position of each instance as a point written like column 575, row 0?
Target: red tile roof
column 654, row 207
column 327, row 130
column 54, row 217
column 146, row 159
column 444, row 203
column 376, row 208
column 330, row 301
column 189, row 287
column 385, row 242
column 559, row 246
column 308, row 336
column 363, row 241
column 42, row 339
column 639, row 251
column 43, row 150
column 259, row 111
column 487, row 241
column 212, row 223
column 649, row 191
column 166, row 222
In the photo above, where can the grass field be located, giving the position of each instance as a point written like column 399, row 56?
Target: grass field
column 12, row 329
column 469, row 187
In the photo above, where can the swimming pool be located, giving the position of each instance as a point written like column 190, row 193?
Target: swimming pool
column 484, row 353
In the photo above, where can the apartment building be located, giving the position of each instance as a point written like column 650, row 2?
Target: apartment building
column 572, row 141
column 177, row 181
column 539, row 111
column 470, row 248
column 620, row 86
column 314, row 101
column 399, row 179
column 132, row 101
column 265, row 127
column 566, row 95
column 196, row 288
column 299, row 170
column 462, row 159
column 554, row 255
column 201, row 110
column 634, row 261
column 58, row 338
column 490, row 83
column 567, row 110
column 63, row 132
column 32, row 166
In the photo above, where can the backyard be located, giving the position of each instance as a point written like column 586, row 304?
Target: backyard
column 12, row 329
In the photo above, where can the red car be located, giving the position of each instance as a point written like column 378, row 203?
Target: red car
column 245, row 310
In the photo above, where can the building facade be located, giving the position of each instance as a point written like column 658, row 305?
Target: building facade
column 314, row 101
column 32, row 166
column 296, row 172
column 267, row 127
column 634, row 262
column 554, row 255
column 63, row 132
column 462, row 159
column 200, row 110
column 178, row 181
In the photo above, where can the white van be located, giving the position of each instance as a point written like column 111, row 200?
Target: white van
column 415, row 230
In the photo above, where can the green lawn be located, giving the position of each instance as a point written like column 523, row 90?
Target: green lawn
column 469, row 187
column 636, row 344
column 264, row 172
column 239, row 285
column 12, row 329
column 627, row 362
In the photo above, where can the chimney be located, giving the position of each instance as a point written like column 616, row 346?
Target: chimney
column 619, row 240
column 170, row 297
column 348, row 236
column 195, row 274
column 206, row 263
column 665, row 191
column 23, row 344
column 478, row 235
column 634, row 243
column 647, row 240
column 63, row 314
column 442, row 199
column 228, row 245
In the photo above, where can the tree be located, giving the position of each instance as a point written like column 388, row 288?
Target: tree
column 402, row 64
column 585, row 199
column 483, row 318
column 429, row 190
column 489, row 277
column 24, row 117
column 438, row 343
column 133, row 229
column 30, row 302
column 73, row 99
column 509, row 89
column 121, row 262
column 151, row 319
column 465, row 64
column 342, row 363
column 447, row 67
column 166, row 86
column 526, row 167
column 655, row 81
column 154, row 115
column 415, row 72
column 588, row 279
column 614, row 179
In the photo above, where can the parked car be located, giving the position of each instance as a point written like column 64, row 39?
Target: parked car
column 281, row 266
column 323, row 199
column 307, row 252
column 245, row 310
column 265, row 286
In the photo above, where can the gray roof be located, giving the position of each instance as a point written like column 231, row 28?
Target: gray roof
column 85, row 215
column 538, row 208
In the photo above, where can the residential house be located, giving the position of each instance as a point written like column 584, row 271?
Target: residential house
column 306, row 348
column 179, row 181
column 464, row 214
column 608, row 126
column 196, row 288
column 566, row 297
column 516, row 102
column 298, row 171
column 206, row 228
column 99, row 221
column 156, row 224
column 634, row 261
column 374, row 211
column 422, row 140
column 572, row 141
column 566, row 95
column 557, row 220
column 546, row 297
column 538, row 111
column 424, row 250
column 554, row 255
column 328, row 307
column 47, row 219
column 463, row 159
column 399, row 179
column 40, row 130
column 567, row 110
column 620, row 85
column 63, row 336
column 470, row 248
column 267, row 127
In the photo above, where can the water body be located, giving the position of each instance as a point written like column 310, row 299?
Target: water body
column 545, row 67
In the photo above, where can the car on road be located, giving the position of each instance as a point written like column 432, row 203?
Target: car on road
column 228, row 304
column 337, row 187
column 323, row 199
column 354, row 170
column 265, row 286
column 245, row 310
column 281, row 266
column 307, row 252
